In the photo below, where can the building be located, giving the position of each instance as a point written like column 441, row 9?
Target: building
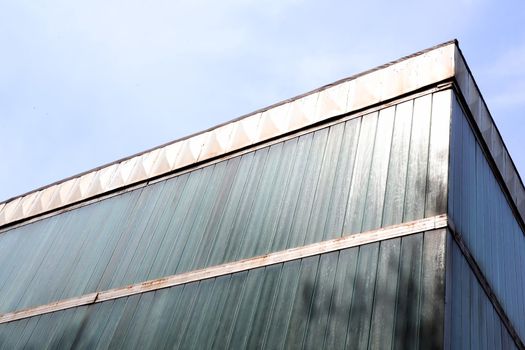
column 380, row 211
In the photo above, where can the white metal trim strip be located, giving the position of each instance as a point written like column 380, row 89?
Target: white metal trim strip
column 352, row 94
column 384, row 83
column 436, row 222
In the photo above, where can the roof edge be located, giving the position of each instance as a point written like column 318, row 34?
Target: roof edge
column 373, row 86
column 489, row 133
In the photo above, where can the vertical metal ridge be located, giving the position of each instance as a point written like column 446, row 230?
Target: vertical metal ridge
column 486, row 218
column 234, row 319
column 350, row 143
column 417, row 334
column 241, row 265
column 369, row 165
column 379, row 167
column 261, row 203
column 237, row 252
column 324, row 184
column 485, row 285
column 195, row 213
column 292, row 286
column 308, row 297
column 180, row 220
column 374, row 295
column 331, row 308
column 212, row 256
column 354, row 221
column 273, row 295
column 335, row 169
column 417, row 158
column 438, row 151
column 433, row 292
column 382, row 328
column 207, row 242
column 286, row 224
column 388, row 179
column 281, row 188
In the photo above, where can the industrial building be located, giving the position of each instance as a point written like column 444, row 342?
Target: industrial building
column 382, row 211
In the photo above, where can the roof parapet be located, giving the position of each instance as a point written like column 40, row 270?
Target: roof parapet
column 407, row 75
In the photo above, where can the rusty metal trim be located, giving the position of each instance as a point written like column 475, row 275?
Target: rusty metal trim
column 395, row 231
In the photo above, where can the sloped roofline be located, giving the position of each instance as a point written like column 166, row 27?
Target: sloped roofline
column 408, row 74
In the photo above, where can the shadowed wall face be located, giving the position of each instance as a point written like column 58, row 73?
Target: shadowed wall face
column 484, row 218
column 474, row 322
column 387, row 294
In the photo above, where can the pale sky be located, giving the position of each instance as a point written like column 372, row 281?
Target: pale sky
column 84, row 83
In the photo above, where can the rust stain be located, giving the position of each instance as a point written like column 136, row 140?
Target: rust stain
column 233, row 267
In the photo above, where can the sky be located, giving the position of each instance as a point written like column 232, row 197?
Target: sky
column 84, row 83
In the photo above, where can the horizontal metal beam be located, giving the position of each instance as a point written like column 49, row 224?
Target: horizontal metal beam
column 48, row 308
column 344, row 242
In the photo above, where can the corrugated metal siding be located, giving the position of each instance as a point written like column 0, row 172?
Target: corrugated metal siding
column 474, row 321
column 483, row 216
column 383, row 295
column 380, row 169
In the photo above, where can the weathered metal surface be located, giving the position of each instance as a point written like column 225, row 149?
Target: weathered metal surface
column 306, row 189
column 323, row 247
column 484, row 216
column 489, row 133
column 474, row 321
column 415, row 72
column 484, row 284
column 318, row 302
column 48, row 308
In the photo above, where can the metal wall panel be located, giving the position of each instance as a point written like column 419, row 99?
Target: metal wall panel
column 484, row 218
column 475, row 323
column 356, row 175
column 355, row 299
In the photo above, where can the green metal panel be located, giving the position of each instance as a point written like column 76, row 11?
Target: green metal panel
column 408, row 300
column 398, row 167
column 359, row 185
column 486, row 222
column 418, row 160
column 355, row 175
column 334, row 300
column 384, row 312
column 377, row 178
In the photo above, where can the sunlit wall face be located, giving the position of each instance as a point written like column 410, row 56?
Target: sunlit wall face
column 394, row 223
column 372, row 170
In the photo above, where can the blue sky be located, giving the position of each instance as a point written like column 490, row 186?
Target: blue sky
column 83, row 83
